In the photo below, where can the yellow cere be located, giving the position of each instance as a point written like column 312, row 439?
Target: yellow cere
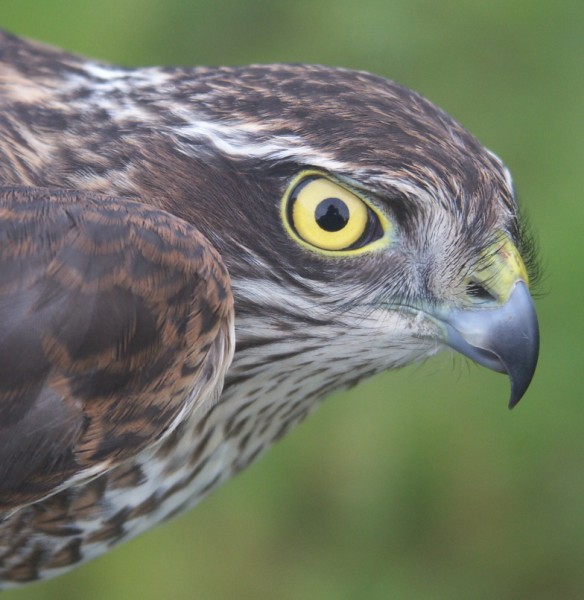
column 326, row 216
column 503, row 267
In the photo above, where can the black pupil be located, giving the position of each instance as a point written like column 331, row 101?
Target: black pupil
column 332, row 214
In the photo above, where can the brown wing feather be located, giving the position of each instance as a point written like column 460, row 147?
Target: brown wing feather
column 108, row 310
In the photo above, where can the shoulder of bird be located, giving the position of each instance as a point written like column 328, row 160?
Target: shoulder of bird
column 191, row 259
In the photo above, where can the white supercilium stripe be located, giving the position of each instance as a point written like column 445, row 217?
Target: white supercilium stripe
column 239, row 139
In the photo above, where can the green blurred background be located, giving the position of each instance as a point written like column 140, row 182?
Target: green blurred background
column 418, row 484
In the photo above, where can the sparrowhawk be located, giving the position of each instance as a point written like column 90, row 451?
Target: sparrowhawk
column 192, row 259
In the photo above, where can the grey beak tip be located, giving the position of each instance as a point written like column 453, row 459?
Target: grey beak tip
column 505, row 339
column 514, row 399
column 526, row 348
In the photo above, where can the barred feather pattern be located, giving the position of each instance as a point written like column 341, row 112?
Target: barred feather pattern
column 260, row 404
column 217, row 148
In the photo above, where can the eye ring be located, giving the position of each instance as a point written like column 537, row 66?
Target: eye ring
column 321, row 214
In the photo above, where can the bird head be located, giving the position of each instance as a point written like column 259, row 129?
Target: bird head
column 363, row 227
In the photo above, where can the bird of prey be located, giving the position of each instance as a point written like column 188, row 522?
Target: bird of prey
column 191, row 259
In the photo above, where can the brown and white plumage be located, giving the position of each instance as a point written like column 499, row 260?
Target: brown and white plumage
column 135, row 203
column 117, row 323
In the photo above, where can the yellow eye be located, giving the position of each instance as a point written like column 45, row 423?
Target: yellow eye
column 329, row 217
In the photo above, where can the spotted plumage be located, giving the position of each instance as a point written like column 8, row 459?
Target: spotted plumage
column 164, row 317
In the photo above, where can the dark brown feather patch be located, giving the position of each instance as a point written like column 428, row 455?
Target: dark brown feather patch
column 108, row 308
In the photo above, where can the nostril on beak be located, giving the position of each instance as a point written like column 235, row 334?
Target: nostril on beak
column 478, row 292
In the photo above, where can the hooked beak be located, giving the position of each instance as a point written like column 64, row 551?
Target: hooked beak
column 504, row 338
